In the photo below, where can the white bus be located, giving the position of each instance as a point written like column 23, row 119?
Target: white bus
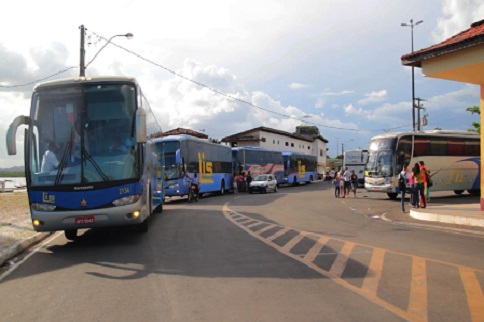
column 356, row 160
column 452, row 157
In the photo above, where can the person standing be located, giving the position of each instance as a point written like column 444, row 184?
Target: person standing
column 347, row 184
column 402, row 184
column 341, row 183
column 336, row 182
column 425, row 173
column 353, row 182
column 235, row 179
column 419, row 186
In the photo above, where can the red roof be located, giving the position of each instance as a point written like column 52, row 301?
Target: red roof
column 467, row 38
column 181, row 131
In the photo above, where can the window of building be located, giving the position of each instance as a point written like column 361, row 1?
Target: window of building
column 263, row 139
column 287, row 143
column 292, row 145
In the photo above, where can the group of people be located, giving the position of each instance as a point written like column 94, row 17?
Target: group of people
column 344, row 182
column 242, row 181
column 416, row 183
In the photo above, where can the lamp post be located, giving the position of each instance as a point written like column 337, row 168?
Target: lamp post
column 411, row 25
column 82, row 65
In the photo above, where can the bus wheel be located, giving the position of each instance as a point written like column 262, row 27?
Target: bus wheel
column 143, row 227
column 159, row 209
column 475, row 192
column 222, row 188
column 458, row 192
column 392, row 195
column 294, row 182
column 71, row 234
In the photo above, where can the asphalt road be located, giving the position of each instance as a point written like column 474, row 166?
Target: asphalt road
column 296, row 255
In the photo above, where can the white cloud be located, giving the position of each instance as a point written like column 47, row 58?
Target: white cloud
column 298, row 86
column 373, row 97
column 458, row 15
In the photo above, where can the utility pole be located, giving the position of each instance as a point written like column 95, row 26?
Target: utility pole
column 419, row 107
column 82, row 67
column 411, row 25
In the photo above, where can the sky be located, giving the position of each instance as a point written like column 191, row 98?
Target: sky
column 334, row 64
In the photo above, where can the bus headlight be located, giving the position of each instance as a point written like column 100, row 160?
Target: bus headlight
column 126, row 200
column 43, row 207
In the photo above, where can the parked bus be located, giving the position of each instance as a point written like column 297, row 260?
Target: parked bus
column 88, row 160
column 299, row 167
column 258, row 161
column 452, row 157
column 356, row 160
column 185, row 155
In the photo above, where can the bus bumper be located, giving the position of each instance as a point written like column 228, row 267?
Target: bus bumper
column 92, row 218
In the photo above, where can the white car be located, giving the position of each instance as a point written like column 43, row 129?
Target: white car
column 263, row 183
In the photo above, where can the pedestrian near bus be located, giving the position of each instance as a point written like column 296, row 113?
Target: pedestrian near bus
column 403, row 177
column 419, row 186
column 347, row 184
column 353, row 182
column 426, row 172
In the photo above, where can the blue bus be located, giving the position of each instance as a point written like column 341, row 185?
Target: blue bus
column 185, row 155
column 258, row 161
column 88, row 160
column 299, row 167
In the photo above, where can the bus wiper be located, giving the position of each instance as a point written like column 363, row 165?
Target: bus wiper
column 88, row 157
column 62, row 164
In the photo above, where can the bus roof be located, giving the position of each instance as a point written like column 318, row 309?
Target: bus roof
column 185, row 137
column 428, row 133
column 84, row 80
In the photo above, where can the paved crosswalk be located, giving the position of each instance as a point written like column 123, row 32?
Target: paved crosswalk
column 408, row 285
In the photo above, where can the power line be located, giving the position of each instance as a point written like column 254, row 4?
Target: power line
column 39, row 80
column 209, row 88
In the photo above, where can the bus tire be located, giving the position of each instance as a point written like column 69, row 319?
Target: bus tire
column 310, row 180
column 392, row 195
column 222, row 188
column 458, row 192
column 159, row 209
column 294, row 182
column 143, row 227
column 475, row 192
column 71, row 234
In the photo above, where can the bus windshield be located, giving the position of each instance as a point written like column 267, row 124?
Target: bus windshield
column 173, row 169
column 380, row 158
column 82, row 134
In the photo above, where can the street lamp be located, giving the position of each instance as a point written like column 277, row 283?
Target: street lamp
column 411, row 25
column 83, row 66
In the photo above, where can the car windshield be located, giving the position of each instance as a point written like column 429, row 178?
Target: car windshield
column 260, row 178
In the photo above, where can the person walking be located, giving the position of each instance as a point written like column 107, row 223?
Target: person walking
column 337, row 187
column 402, row 184
column 353, row 182
column 419, row 186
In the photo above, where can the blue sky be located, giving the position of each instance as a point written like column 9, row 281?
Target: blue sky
column 330, row 63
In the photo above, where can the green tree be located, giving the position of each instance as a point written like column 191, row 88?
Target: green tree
column 477, row 125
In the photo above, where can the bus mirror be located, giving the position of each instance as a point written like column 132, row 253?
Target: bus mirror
column 177, row 156
column 12, row 132
column 141, row 130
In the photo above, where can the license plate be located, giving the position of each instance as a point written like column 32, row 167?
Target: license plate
column 85, row 220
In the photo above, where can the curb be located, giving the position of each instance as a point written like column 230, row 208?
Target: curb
column 448, row 219
column 11, row 251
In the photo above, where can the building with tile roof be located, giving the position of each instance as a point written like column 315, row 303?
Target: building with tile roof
column 306, row 139
column 458, row 58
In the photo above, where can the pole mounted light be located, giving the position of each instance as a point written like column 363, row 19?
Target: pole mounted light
column 82, row 64
column 411, row 25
